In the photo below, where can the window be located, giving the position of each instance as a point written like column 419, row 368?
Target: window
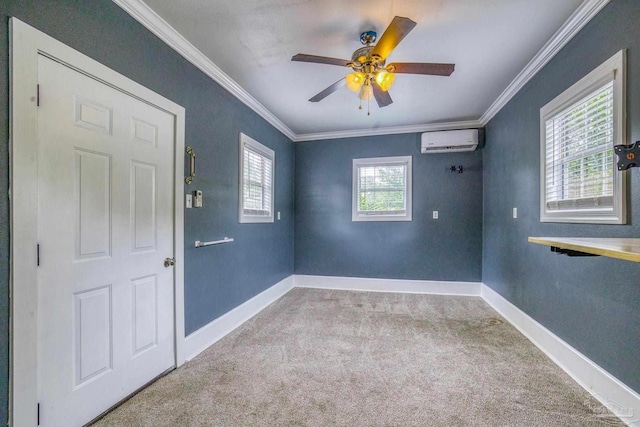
column 578, row 129
column 382, row 189
column 256, row 181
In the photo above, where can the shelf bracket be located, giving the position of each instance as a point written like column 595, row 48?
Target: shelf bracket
column 569, row 252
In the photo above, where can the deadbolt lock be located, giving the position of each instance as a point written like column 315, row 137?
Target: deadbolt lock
column 168, row 262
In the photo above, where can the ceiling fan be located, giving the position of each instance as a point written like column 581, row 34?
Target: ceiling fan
column 370, row 76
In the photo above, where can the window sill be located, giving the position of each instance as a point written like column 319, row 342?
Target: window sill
column 381, row 218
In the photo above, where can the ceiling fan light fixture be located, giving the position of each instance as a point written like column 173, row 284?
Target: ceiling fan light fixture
column 385, row 80
column 368, row 65
column 366, row 93
column 354, row 81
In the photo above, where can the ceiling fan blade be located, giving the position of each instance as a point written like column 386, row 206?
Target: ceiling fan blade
column 301, row 57
column 423, row 68
column 382, row 98
column 328, row 91
column 393, row 35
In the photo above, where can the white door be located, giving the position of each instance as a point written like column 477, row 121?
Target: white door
column 105, row 227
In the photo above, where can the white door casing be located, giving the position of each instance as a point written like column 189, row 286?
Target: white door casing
column 98, row 300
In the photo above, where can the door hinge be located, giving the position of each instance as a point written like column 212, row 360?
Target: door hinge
column 38, row 413
column 38, row 96
column 38, row 254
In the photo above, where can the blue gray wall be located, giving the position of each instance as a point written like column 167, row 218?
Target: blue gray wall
column 591, row 303
column 217, row 279
column 328, row 243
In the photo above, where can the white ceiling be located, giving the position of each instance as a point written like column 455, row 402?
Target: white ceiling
column 252, row 41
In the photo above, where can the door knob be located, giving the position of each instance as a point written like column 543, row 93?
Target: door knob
column 168, row 262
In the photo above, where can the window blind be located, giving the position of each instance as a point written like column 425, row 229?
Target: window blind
column 256, row 180
column 382, row 189
column 579, row 154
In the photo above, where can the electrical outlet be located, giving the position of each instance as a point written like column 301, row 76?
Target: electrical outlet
column 435, row 214
column 188, row 201
column 515, row 213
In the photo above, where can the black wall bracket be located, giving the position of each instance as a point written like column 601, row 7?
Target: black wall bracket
column 628, row 155
column 570, row 252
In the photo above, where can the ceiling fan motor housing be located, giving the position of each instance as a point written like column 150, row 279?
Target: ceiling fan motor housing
column 362, row 57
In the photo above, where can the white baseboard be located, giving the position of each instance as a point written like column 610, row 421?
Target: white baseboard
column 611, row 392
column 209, row 334
column 388, row 285
column 204, row 337
column 620, row 399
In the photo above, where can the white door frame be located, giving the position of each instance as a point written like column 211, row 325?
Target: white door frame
column 26, row 44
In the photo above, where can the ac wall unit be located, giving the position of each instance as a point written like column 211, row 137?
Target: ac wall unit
column 449, row 141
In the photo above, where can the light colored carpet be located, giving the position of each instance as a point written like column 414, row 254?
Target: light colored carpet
column 336, row 358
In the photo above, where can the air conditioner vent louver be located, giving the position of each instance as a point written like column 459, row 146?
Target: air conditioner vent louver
column 449, row 141
column 469, row 147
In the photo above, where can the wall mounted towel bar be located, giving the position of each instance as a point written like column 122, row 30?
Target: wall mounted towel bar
column 200, row 244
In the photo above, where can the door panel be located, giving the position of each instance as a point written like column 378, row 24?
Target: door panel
column 105, row 226
column 145, row 313
column 143, row 206
column 92, row 343
column 93, row 199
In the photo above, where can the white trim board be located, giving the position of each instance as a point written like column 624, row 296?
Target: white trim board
column 25, row 45
column 158, row 26
column 611, row 392
column 176, row 41
column 581, row 17
column 469, row 124
column 388, row 285
column 211, row 333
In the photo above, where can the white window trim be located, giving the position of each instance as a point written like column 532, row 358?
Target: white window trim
column 400, row 160
column 616, row 67
column 254, row 145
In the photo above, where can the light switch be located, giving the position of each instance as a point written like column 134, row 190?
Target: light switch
column 278, row 215
column 515, row 212
column 188, row 201
column 197, row 199
column 435, row 214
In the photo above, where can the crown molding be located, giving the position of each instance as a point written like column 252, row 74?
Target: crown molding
column 587, row 10
column 158, row 26
column 469, row 124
